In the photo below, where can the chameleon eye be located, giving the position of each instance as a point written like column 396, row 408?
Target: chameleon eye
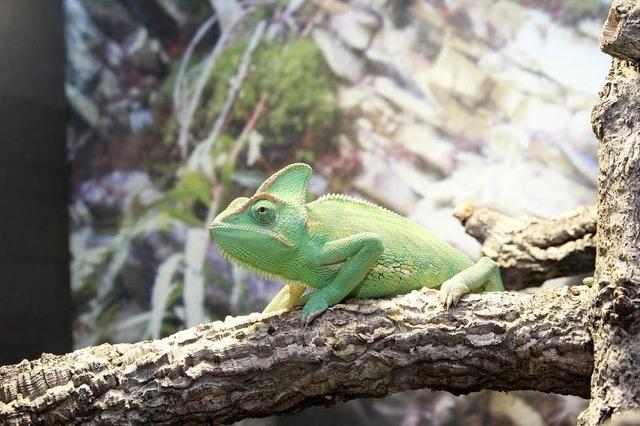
column 263, row 212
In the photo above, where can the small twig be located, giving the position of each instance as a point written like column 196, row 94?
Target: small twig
column 311, row 23
column 185, row 121
column 234, row 86
column 251, row 123
column 180, row 84
column 200, row 158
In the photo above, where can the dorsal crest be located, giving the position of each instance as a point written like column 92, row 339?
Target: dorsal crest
column 288, row 184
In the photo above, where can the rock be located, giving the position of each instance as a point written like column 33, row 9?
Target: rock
column 145, row 53
column 228, row 12
column 113, row 54
column 420, row 108
column 355, row 27
column 509, row 78
column 510, row 186
column 82, row 104
column 507, row 142
column 580, row 132
column 457, row 74
column 555, row 51
column 417, row 180
column 114, row 19
column 378, row 6
column 139, row 119
column 369, row 139
column 109, row 196
column 379, row 181
column 146, row 252
column 506, row 98
column 504, row 19
column 426, row 144
column 394, row 47
column 342, row 61
column 591, row 28
column 537, row 115
column 81, row 36
column 466, row 127
column 108, row 86
column 441, row 223
column 353, row 96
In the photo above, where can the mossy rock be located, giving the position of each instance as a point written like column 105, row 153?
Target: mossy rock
column 300, row 91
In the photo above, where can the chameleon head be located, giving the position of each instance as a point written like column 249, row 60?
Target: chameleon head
column 264, row 232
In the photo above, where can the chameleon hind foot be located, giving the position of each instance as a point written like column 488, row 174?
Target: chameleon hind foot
column 451, row 291
column 484, row 275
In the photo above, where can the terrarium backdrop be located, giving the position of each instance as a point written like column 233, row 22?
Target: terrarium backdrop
column 179, row 106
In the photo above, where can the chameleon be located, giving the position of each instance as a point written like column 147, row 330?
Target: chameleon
column 341, row 247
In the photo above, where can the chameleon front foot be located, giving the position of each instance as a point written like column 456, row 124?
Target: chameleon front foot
column 451, row 291
column 313, row 308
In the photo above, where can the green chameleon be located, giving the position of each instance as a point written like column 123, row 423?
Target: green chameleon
column 340, row 246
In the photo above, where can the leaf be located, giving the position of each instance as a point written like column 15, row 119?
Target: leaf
column 180, row 214
column 192, row 186
column 193, row 292
column 248, row 178
column 162, row 288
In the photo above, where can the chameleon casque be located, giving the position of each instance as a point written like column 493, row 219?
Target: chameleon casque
column 340, row 246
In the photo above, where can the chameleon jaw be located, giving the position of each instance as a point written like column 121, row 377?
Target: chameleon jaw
column 218, row 226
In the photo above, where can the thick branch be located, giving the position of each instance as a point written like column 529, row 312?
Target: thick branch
column 262, row 365
column 530, row 250
column 621, row 32
column 615, row 313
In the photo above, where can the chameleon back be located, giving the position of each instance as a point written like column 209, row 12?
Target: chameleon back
column 412, row 258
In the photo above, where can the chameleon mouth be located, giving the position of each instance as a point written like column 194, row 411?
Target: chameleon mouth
column 216, row 227
column 260, row 272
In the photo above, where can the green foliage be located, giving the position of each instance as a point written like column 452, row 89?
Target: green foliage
column 187, row 198
column 300, row 91
column 576, row 10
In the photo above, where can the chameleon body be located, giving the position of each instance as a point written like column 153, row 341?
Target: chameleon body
column 340, row 246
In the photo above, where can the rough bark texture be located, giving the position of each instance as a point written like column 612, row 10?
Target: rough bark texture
column 615, row 313
column 530, row 250
column 621, row 31
column 266, row 364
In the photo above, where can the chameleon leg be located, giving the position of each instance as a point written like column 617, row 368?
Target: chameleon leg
column 485, row 274
column 286, row 298
column 359, row 253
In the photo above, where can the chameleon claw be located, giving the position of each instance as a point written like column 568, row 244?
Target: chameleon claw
column 450, row 293
column 308, row 317
column 313, row 308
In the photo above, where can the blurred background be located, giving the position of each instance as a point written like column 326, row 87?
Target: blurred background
column 175, row 107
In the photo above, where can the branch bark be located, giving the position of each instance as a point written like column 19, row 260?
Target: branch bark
column 530, row 250
column 263, row 365
column 615, row 312
column 621, row 32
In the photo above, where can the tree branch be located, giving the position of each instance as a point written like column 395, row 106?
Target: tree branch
column 261, row 365
column 530, row 250
column 621, row 32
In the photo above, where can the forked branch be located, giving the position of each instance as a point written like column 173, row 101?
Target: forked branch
column 530, row 250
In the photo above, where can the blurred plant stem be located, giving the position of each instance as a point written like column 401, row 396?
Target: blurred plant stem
column 200, row 158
